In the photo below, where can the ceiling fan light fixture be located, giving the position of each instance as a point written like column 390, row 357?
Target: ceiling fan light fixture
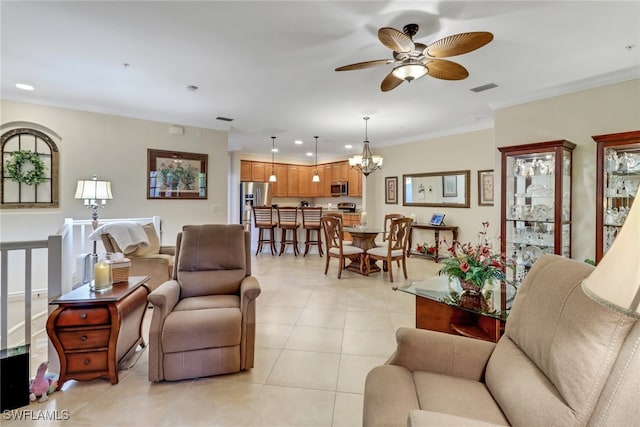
column 410, row 71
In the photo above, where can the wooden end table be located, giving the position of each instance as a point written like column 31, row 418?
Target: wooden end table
column 94, row 332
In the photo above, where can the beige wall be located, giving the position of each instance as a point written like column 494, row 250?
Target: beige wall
column 472, row 150
column 115, row 149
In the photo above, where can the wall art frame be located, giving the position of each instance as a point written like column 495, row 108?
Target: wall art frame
column 391, row 190
column 486, row 186
column 176, row 175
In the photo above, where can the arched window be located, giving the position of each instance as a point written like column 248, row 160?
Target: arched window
column 29, row 170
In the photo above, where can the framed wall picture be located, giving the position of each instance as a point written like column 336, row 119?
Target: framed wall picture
column 449, row 186
column 485, row 187
column 176, row 175
column 391, row 190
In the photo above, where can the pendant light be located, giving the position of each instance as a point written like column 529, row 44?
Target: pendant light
column 366, row 162
column 316, row 177
column 273, row 178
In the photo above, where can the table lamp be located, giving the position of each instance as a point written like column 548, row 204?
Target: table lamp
column 92, row 191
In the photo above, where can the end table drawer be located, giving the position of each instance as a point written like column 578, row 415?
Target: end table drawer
column 89, row 339
column 83, row 316
column 87, row 362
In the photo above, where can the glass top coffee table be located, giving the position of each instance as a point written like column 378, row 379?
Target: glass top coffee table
column 436, row 310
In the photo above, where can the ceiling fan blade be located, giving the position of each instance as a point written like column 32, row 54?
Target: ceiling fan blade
column 458, row 44
column 395, row 40
column 366, row 64
column 390, row 82
column 446, row 70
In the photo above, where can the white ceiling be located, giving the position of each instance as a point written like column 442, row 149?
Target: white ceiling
column 270, row 65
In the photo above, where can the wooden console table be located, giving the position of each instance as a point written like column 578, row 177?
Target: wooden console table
column 436, row 232
column 93, row 332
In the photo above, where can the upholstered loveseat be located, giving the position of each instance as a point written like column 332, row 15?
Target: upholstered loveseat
column 564, row 360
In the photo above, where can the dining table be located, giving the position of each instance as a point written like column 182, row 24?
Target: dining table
column 365, row 239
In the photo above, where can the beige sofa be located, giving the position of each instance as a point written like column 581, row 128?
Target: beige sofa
column 564, row 360
column 204, row 319
column 155, row 261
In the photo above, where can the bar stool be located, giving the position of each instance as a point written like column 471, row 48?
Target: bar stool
column 288, row 221
column 311, row 222
column 263, row 220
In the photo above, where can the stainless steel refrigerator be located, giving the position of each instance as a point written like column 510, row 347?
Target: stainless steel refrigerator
column 253, row 194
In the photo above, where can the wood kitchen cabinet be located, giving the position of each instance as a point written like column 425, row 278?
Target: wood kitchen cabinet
column 340, row 171
column 350, row 219
column 293, row 175
column 304, row 181
column 281, row 186
column 355, row 182
column 254, row 171
column 245, row 171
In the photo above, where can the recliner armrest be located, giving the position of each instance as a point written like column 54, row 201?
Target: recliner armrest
column 168, row 250
column 165, row 297
column 249, row 290
column 437, row 352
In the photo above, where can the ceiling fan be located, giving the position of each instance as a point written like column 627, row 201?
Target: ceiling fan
column 417, row 59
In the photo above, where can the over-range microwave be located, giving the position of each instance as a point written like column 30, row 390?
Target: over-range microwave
column 339, row 188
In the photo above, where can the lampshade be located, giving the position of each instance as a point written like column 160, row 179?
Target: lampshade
column 410, row 71
column 94, row 190
column 615, row 283
column 366, row 162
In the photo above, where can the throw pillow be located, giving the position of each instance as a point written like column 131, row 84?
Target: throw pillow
column 154, row 242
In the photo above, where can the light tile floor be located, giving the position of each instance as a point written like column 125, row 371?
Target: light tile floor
column 317, row 337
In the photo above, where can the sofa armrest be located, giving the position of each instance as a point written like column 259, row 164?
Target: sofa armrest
column 418, row 418
column 249, row 290
column 437, row 352
column 168, row 250
column 165, row 297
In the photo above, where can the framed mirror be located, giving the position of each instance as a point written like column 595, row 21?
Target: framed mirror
column 437, row 189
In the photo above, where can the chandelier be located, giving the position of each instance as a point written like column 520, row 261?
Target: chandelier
column 366, row 162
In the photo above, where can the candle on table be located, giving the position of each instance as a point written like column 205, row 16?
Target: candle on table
column 102, row 274
column 363, row 218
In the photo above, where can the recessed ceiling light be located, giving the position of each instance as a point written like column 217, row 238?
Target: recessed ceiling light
column 275, row 150
column 348, row 146
column 297, row 142
column 309, row 154
column 24, row 86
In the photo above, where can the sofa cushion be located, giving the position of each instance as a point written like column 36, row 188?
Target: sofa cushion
column 186, row 330
column 208, row 301
column 457, row 396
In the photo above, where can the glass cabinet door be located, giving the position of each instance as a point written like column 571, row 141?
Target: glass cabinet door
column 536, row 206
column 618, row 177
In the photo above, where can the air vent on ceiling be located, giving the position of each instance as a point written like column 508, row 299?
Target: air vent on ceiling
column 483, row 87
column 224, row 119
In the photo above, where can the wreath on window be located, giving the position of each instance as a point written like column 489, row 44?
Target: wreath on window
column 16, row 162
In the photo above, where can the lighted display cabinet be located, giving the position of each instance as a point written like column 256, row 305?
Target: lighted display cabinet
column 536, row 205
column 618, row 176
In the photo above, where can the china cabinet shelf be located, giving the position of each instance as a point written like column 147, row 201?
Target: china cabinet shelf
column 536, row 205
column 618, row 179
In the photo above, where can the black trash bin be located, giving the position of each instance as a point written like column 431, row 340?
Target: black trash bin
column 14, row 377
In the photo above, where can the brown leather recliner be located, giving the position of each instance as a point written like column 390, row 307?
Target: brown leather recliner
column 204, row 319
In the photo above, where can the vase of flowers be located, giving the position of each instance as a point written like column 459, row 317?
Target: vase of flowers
column 473, row 266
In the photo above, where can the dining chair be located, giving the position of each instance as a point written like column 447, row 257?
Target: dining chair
column 395, row 249
column 333, row 233
column 263, row 221
column 386, row 227
column 288, row 224
column 339, row 216
column 311, row 222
